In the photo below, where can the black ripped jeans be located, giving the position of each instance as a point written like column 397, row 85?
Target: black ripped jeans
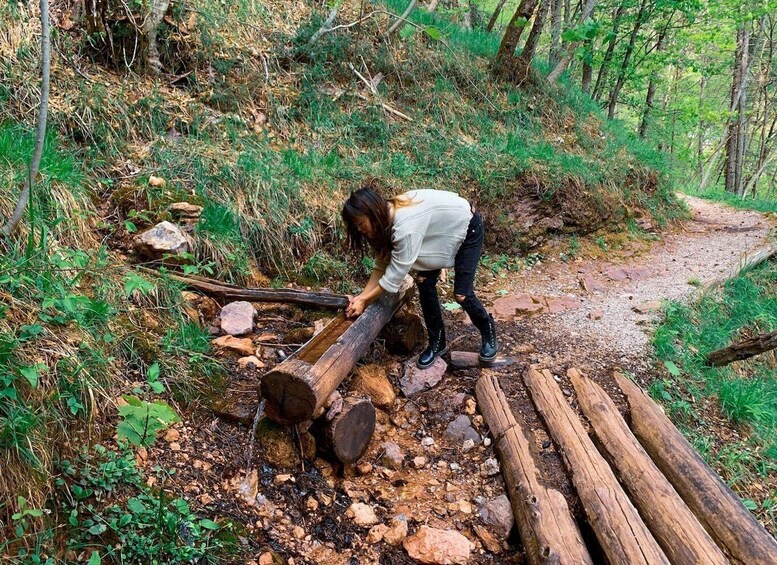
column 466, row 264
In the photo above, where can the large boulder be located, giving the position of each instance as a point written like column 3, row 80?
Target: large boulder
column 237, row 318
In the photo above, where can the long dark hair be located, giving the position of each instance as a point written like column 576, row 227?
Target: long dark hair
column 367, row 202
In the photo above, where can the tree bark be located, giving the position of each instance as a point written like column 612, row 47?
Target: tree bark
column 298, row 387
column 347, row 432
column 409, row 10
column 736, row 531
column 618, row 527
column 523, row 68
column 700, row 135
column 555, row 33
column 672, row 523
column 601, row 76
column 751, row 259
column 735, row 142
column 587, row 68
column 548, row 531
column 651, row 92
column 466, row 22
column 504, row 63
column 625, row 63
column 743, row 350
column 566, row 57
column 40, row 131
column 495, row 15
column 433, row 5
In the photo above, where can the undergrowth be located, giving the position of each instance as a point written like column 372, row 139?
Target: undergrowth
column 745, row 392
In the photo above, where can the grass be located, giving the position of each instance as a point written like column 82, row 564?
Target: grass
column 744, row 392
column 759, row 203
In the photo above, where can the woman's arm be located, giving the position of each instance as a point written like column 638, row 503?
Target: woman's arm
column 371, row 292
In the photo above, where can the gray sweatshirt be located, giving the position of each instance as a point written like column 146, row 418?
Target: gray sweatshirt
column 426, row 234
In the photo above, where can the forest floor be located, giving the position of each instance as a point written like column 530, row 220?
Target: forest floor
column 594, row 313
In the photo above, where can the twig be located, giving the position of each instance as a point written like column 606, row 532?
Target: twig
column 402, row 18
column 325, row 27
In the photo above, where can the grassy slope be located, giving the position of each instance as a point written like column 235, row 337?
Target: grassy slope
column 268, row 135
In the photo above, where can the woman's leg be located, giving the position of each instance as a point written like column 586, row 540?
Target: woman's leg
column 430, row 306
column 466, row 265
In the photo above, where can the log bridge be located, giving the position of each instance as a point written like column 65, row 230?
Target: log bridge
column 648, row 497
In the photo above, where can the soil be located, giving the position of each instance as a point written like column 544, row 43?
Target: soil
column 546, row 319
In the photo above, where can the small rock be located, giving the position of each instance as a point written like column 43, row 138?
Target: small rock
column 266, row 558
column 172, row 435
column 376, row 533
column 455, row 467
column 298, row 532
column 392, row 456
column 362, row 514
column 467, row 445
column 164, row 238
column 420, row 462
column 397, row 531
column 364, row 468
column 241, row 345
column 427, row 441
column 311, row 504
column 489, row 540
column 280, row 479
column 175, row 446
column 237, row 318
column 470, row 406
column 251, row 362
column 487, row 441
column 465, row 507
column 434, row 546
column 156, row 182
column 185, row 210
column 489, row 468
column 415, row 380
column 498, row 514
column 461, row 429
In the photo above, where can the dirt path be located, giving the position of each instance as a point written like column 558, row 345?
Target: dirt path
column 297, row 513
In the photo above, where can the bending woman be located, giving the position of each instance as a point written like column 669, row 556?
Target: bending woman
column 426, row 231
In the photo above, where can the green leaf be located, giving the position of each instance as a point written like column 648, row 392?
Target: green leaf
column 157, row 387
column 451, row 306
column 136, row 505
column 94, row 559
column 209, row 524
column 153, row 372
column 407, row 31
column 32, row 373
column 433, row 32
column 130, row 226
column 133, row 282
column 97, row 529
column 750, row 504
column 673, row 369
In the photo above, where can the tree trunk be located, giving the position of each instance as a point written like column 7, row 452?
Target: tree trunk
column 505, row 61
column 720, row 511
column 587, row 68
column 743, row 350
column 40, row 130
column 625, row 64
column 548, row 531
column 467, row 18
column 433, row 5
column 601, row 76
column 157, row 10
column 672, row 523
column 409, row 10
column 523, row 67
column 555, row 33
column 751, row 259
column 735, row 142
column 348, row 430
column 495, row 15
column 651, row 86
column 566, row 57
column 618, row 527
column 297, row 389
column 700, row 136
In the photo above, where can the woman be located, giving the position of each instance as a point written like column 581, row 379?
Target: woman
column 423, row 230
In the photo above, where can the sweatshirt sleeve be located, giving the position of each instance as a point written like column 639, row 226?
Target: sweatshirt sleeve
column 403, row 257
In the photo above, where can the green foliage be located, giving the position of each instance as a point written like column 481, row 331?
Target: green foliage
column 143, row 420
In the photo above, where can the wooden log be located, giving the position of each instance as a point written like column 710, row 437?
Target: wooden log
column 296, row 388
column 461, row 360
column 404, row 333
column 225, row 292
column 672, row 523
column 750, row 259
column 622, row 534
column 548, row 531
column 743, row 350
column 742, row 538
column 348, row 432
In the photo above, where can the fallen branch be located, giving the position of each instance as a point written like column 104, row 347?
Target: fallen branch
column 402, row 18
column 226, row 291
column 326, row 26
column 743, row 350
column 747, row 261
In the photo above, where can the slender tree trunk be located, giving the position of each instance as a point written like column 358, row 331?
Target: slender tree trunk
column 604, row 69
column 566, row 58
column 467, row 21
column 652, row 86
column 433, row 5
column 555, row 33
column 625, row 64
column 700, row 137
column 505, row 60
column 495, row 15
column 588, row 70
column 40, row 136
column 736, row 127
column 530, row 48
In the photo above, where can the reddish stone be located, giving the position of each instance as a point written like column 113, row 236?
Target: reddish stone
column 510, row 306
column 561, row 304
column 590, row 283
column 595, row 314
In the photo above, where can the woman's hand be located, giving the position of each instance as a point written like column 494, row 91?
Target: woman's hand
column 356, row 305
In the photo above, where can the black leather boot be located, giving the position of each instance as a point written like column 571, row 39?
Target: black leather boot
column 435, row 348
column 490, row 347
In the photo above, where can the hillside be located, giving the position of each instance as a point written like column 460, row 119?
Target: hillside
column 268, row 133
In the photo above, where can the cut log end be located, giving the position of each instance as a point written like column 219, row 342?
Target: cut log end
column 289, row 399
column 350, row 431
